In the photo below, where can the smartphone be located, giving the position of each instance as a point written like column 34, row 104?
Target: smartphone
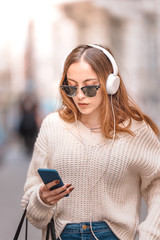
column 49, row 175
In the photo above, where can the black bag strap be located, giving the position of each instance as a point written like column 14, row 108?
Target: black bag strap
column 47, row 234
column 20, row 226
column 26, row 230
column 50, row 228
column 53, row 234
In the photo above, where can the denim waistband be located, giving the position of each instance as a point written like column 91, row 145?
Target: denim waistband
column 85, row 226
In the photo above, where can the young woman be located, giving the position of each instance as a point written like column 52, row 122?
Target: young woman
column 106, row 151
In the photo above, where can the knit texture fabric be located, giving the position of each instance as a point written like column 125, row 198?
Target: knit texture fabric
column 108, row 178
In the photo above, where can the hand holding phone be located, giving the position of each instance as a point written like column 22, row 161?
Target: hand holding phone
column 54, row 188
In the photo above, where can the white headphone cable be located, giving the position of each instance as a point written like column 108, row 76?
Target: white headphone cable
column 114, row 120
column 90, row 217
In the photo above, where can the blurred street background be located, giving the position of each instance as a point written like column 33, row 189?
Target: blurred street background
column 35, row 37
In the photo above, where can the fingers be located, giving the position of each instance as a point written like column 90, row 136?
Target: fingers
column 51, row 184
column 44, row 190
column 47, row 193
column 55, row 198
column 51, row 197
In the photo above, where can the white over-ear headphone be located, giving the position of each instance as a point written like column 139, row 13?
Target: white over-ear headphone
column 113, row 81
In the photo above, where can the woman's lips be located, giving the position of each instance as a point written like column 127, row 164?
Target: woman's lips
column 83, row 105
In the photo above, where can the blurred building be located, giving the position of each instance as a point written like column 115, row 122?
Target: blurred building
column 33, row 52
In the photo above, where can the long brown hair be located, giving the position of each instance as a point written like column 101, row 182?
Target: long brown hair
column 124, row 106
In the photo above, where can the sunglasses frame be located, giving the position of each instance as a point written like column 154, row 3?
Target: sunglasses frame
column 76, row 88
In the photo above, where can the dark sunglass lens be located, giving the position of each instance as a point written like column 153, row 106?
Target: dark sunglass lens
column 70, row 91
column 89, row 91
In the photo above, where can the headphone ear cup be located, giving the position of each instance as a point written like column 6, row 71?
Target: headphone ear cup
column 112, row 84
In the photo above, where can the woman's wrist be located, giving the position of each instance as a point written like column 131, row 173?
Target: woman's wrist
column 41, row 196
column 41, row 199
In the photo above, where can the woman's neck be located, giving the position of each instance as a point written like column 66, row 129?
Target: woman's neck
column 93, row 123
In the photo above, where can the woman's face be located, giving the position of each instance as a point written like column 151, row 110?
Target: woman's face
column 81, row 74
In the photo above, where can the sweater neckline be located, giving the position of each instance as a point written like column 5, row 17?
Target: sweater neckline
column 85, row 136
column 84, row 128
column 89, row 137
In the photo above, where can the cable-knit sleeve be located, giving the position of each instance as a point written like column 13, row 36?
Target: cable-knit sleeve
column 38, row 213
column 150, row 187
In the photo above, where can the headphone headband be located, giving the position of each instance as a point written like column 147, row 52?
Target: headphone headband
column 110, row 57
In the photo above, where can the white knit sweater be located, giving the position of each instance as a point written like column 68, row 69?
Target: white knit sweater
column 108, row 178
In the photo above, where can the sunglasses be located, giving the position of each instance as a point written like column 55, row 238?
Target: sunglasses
column 88, row 91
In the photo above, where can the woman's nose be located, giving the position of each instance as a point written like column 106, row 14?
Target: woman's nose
column 80, row 93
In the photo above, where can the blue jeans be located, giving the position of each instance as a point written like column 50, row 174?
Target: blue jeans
column 82, row 231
